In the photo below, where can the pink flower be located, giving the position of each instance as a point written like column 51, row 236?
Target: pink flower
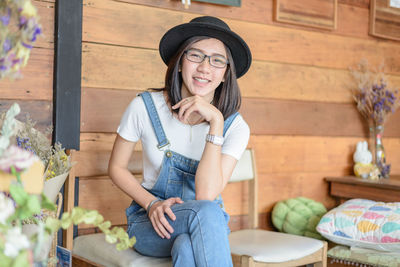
column 18, row 158
column 6, row 208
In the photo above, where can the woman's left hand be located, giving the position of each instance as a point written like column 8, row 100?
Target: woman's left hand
column 197, row 104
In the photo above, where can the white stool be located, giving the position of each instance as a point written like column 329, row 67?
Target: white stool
column 253, row 247
column 95, row 248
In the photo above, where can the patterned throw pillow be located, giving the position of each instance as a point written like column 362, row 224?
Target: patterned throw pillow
column 363, row 223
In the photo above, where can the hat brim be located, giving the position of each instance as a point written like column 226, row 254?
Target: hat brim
column 173, row 39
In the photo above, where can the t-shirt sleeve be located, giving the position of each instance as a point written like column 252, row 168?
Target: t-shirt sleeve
column 236, row 138
column 131, row 125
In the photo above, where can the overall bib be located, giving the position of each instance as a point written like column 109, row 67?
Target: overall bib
column 200, row 236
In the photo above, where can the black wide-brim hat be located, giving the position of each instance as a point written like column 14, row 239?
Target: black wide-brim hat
column 212, row 27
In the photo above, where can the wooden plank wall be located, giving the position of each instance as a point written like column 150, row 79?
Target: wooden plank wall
column 34, row 92
column 304, row 125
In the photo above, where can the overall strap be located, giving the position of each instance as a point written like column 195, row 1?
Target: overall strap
column 228, row 121
column 155, row 120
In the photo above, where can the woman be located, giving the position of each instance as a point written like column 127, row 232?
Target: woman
column 192, row 137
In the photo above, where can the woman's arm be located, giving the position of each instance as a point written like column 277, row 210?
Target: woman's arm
column 215, row 168
column 120, row 174
column 123, row 178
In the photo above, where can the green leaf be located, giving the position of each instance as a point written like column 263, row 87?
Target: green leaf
column 52, row 224
column 21, row 260
column 121, row 246
column 18, row 194
column 66, row 220
column 105, row 226
column 77, row 215
column 4, row 260
column 132, row 241
column 33, row 204
column 48, row 204
column 111, row 239
column 16, row 174
column 99, row 219
column 91, row 217
column 23, row 212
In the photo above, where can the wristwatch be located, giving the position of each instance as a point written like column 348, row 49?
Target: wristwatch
column 216, row 140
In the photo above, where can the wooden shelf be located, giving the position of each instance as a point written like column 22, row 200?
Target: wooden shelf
column 347, row 187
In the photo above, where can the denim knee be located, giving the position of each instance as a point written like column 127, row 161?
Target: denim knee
column 182, row 244
column 208, row 209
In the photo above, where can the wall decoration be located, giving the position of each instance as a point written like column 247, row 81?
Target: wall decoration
column 313, row 13
column 385, row 19
column 237, row 3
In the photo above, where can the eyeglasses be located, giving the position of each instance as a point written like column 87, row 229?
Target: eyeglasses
column 197, row 56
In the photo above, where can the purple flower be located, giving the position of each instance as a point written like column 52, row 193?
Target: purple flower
column 22, row 21
column 378, row 106
column 6, row 18
column 24, row 144
column 36, row 33
column 27, row 45
column 7, row 45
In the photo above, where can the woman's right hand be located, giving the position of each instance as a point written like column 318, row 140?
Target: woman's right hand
column 157, row 216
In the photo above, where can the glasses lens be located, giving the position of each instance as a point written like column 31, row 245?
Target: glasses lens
column 218, row 61
column 195, row 56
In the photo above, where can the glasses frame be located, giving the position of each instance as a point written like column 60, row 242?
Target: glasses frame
column 204, row 57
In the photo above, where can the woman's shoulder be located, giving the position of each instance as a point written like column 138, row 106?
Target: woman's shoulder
column 157, row 97
column 239, row 124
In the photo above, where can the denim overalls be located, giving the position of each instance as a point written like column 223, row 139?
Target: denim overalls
column 207, row 235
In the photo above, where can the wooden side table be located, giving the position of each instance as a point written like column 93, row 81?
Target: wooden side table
column 347, row 187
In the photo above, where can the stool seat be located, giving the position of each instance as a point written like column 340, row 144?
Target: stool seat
column 272, row 247
column 95, row 248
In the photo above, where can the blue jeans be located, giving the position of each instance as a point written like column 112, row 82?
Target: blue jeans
column 200, row 236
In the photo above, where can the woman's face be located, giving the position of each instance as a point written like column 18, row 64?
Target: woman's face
column 201, row 78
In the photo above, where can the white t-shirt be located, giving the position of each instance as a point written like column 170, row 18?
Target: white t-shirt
column 186, row 140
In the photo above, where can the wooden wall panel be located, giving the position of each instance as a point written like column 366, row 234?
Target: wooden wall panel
column 271, row 43
column 37, row 78
column 102, row 110
column 111, row 205
column 309, row 118
column 38, row 111
column 100, row 142
column 34, row 91
column 350, row 13
column 45, row 11
column 102, row 66
column 314, row 154
column 95, row 163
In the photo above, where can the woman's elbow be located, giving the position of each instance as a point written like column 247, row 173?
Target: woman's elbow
column 111, row 170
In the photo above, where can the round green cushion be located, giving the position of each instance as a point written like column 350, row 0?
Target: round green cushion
column 298, row 216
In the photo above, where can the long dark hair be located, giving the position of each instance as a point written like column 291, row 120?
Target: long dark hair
column 227, row 96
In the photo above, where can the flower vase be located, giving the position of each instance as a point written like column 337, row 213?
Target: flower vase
column 379, row 153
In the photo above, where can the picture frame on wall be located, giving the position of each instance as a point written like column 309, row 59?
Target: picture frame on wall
column 385, row 18
column 320, row 14
column 237, row 3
